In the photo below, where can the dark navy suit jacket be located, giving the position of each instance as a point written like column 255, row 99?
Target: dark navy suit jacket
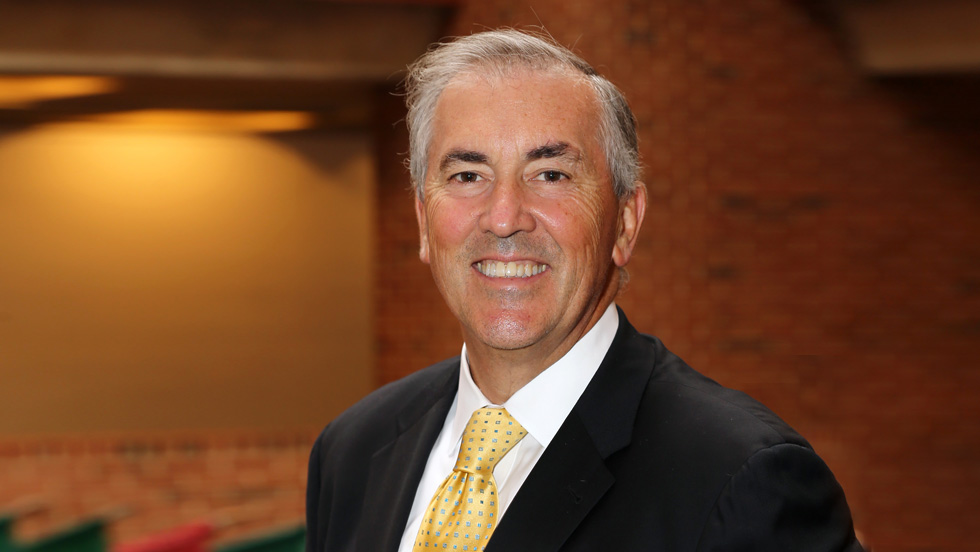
column 654, row 456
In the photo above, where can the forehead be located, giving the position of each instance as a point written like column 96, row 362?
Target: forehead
column 519, row 110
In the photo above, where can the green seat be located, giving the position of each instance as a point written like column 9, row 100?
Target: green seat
column 88, row 536
column 7, row 543
column 291, row 540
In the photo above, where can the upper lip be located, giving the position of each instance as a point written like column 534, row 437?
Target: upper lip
column 509, row 259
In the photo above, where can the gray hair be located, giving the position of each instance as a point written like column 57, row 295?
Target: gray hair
column 500, row 51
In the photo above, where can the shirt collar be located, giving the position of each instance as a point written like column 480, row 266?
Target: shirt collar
column 542, row 405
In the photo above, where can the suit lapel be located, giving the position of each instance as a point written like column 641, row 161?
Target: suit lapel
column 557, row 495
column 396, row 469
column 571, row 476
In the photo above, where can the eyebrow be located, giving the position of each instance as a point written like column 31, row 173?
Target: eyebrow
column 462, row 156
column 549, row 151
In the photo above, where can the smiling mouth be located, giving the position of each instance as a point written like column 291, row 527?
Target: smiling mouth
column 512, row 269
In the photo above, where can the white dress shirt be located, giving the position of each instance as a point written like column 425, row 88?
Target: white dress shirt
column 541, row 407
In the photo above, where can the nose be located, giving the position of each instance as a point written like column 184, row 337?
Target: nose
column 506, row 211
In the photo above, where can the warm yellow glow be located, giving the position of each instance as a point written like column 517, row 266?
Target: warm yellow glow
column 145, row 271
column 19, row 92
column 194, row 120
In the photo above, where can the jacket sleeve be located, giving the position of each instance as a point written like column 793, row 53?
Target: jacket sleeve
column 783, row 498
column 313, row 498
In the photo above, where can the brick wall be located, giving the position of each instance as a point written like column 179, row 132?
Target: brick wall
column 243, row 483
column 807, row 240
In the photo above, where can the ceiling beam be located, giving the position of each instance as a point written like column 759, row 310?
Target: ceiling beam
column 253, row 39
column 910, row 37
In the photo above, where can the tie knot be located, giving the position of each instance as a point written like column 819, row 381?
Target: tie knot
column 489, row 434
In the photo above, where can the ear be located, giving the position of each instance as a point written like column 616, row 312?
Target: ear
column 423, row 230
column 631, row 211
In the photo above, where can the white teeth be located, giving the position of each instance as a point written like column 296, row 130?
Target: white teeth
column 512, row 269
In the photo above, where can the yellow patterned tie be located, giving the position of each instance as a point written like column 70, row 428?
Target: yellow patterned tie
column 463, row 512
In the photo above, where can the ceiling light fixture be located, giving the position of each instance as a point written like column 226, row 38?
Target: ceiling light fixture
column 20, row 92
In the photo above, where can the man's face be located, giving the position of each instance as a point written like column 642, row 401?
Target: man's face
column 520, row 223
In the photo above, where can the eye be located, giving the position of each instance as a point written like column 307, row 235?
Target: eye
column 550, row 176
column 465, row 177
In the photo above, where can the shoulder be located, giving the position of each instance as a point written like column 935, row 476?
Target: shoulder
column 373, row 421
column 683, row 422
column 704, row 413
column 340, row 467
column 762, row 484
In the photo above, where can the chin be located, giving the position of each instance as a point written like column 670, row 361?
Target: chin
column 508, row 334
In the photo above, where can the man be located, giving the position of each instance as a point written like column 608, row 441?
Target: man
column 559, row 427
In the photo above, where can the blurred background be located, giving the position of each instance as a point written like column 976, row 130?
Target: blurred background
column 208, row 245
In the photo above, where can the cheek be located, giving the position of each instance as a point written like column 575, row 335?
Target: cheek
column 580, row 224
column 449, row 223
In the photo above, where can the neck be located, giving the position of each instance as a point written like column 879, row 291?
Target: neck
column 499, row 373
